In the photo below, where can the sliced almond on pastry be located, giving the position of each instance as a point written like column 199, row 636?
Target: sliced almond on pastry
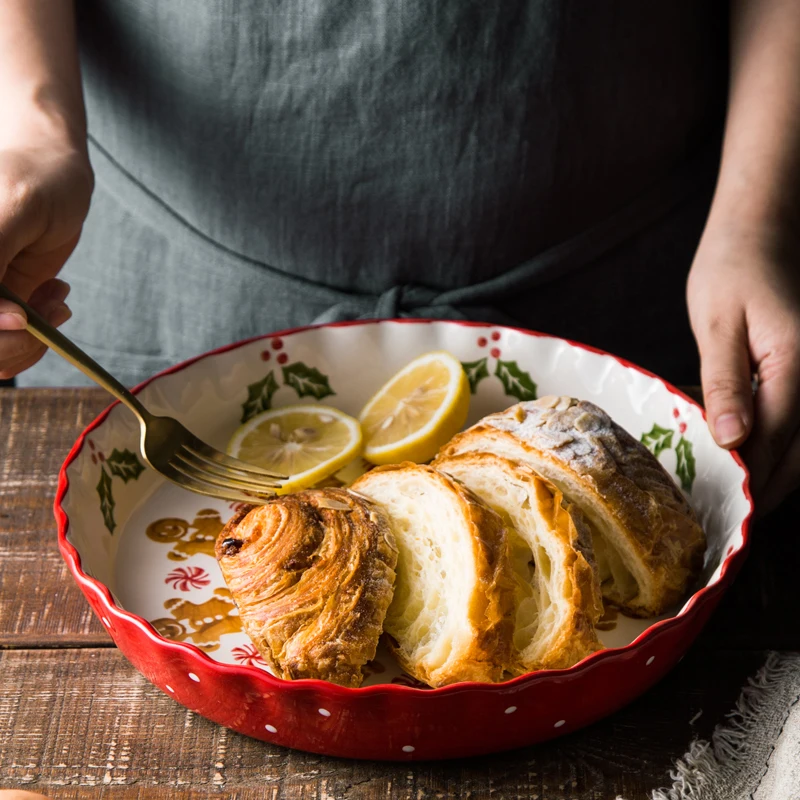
column 648, row 543
column 451, row 618
column 312, row 574
column 557, row 590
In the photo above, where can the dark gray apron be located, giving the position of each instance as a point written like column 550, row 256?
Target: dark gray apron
column 262, row 165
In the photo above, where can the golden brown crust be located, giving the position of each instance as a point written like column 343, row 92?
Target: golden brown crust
column 578, row 637
column 568, row 536
column 620, row 486
column 580, row 537
column 487, row 654
column 312, row 574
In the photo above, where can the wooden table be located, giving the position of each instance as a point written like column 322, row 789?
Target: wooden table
column 77, row 721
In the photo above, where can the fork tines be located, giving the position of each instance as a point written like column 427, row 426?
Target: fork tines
column 201, row 468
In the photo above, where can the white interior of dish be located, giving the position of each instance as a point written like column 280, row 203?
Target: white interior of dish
column 208, row 395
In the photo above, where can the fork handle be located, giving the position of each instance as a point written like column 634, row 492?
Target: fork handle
column 68, row 350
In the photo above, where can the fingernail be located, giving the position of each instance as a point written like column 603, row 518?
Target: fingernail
column 729, row 428
column 12, row 322
column 58, row 315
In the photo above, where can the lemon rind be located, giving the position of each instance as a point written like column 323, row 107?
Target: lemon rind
column 322, row 470
column 455, row 388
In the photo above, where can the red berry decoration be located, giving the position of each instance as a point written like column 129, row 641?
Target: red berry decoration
column 277, row 344
column 676, row 413
column 283, row 358
column 482, row 342
column 101, row 456
column 495, row 351
column 94, row 458
column 682, row 427
column 91, row 444
column 266, row 355
column 496, row 336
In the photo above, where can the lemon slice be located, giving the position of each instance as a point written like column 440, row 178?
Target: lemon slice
column 306, row 442
column 421, row 408
column 351, row 472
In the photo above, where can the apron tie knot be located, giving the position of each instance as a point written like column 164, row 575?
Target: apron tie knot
column 402, row 301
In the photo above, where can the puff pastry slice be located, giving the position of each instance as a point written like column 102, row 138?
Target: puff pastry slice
column 557, row 589
column 312, row 574
column 647, row 541
column 451, row 618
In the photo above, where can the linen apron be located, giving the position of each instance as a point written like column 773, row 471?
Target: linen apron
column 263, row 164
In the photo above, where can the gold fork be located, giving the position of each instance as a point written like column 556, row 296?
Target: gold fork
column 167, row 446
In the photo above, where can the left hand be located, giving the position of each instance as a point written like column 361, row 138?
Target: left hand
column 744, row 305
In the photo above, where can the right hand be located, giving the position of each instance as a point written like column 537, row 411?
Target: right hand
column 45, row 189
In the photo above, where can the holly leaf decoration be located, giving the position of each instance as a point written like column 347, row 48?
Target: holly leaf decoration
column 106, row 500
column 259, row 397
column 686, row 463
column 657, row 439
column 307, row 381
column 125, row 465
column 516, row 382
column 476, row 371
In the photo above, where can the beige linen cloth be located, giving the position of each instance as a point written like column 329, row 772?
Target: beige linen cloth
column 755, row 753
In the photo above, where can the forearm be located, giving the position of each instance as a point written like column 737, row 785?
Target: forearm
column 759, row 182
column 40, row 86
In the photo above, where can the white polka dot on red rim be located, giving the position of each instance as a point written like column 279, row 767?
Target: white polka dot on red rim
column 408, row 748
column 324, row 712
column 271, row 728
column 650, row 661
column 194, row 677
column 169, row 688
column 510, row 710
column 560, row 723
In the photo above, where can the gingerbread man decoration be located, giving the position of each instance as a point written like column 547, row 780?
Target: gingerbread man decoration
column 202, row 623
column 188, row 539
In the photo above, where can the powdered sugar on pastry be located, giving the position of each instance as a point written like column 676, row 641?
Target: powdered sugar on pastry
column 647, row 541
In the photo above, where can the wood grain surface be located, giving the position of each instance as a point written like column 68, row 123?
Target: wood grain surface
column 40, row 603
column 91, row 720
column 77, row 721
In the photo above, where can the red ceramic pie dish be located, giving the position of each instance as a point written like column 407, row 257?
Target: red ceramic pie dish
column 141, row 549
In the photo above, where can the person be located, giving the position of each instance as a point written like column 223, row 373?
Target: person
column 557, row 164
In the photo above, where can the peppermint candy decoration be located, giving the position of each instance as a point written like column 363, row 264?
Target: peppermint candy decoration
column 248, row 655
column 185, row 579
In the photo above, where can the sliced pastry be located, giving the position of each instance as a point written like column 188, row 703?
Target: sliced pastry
column 312, row 574
column 647, row 541
column 557, row 590
column 451, row 618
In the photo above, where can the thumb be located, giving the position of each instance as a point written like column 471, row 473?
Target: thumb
column 18, row 230
column 727, row 382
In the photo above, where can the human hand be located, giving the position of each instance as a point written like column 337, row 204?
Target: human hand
column 744, row 305
column 20, row 794
column 45, row 188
